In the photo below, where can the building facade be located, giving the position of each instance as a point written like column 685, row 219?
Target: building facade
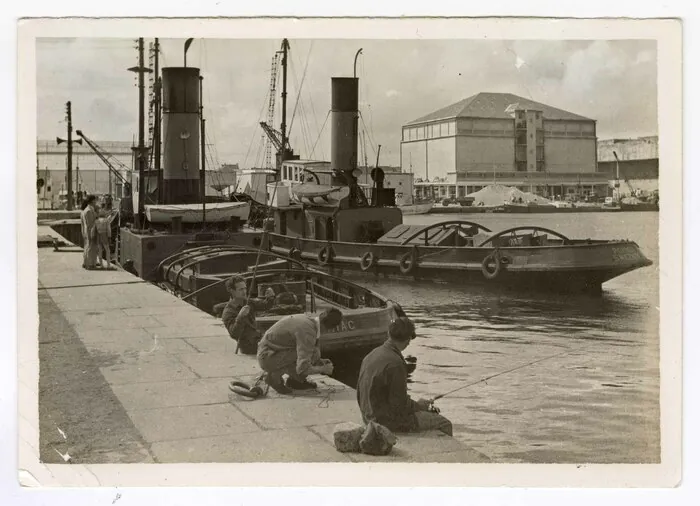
column 638, row 167
column 500, row 138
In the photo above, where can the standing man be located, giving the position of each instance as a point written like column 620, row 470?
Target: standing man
column 292, row 347
column 87, row 222
column 382, row 391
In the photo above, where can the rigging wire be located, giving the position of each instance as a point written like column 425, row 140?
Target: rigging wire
column 369, row 135
column 252, row 139
column 301, row 86
column 319, row 134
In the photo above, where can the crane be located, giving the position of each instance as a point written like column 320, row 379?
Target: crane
column 633, row 192
column 271, row 109
column 99, row 152
column 278, row 138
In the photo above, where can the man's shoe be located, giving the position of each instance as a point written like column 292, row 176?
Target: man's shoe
column 278, row 386
column 301, row 385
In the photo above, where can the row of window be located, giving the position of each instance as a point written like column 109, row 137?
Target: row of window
column 445, row 129
column 292, row 173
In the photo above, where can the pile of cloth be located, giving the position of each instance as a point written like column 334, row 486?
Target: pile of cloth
column 497, row 195
column 372, row 439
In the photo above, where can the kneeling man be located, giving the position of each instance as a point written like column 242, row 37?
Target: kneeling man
column 292, row 347
column 382, row 391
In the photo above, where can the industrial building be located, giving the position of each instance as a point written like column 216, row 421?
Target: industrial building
column 638, row 163
column 501, row 138
column 91, row 175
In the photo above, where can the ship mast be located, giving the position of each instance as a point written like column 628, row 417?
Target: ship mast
column 283, row 126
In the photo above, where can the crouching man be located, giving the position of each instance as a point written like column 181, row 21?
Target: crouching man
column 382, row 387
column 292, row 347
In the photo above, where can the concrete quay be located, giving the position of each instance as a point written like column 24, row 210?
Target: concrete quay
column 132, row 374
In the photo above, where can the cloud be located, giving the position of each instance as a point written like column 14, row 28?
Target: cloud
column 613, row 82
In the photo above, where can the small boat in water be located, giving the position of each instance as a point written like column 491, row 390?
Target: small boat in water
column 416, row 208
column 198, row 274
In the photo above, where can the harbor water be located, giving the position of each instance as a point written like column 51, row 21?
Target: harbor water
column 585, row 388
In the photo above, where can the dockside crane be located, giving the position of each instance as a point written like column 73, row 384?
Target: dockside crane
column 278, row 138
column 633, row 192
column 126, row 185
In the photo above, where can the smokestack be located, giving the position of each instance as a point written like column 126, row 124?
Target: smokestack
column 181, row 127
column 344, row 116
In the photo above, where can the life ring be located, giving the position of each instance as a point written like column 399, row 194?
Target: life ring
column 325, row 256
column 368, row 261
column 492, row 258
column 294, row 253
column 245, row 390
column 408, row 262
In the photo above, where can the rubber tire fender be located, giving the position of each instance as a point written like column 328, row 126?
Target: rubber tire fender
column 367, row 261
column 494, row 256
column 294, row 253
column 408, row 262
column 325, row 256
column 243, row 389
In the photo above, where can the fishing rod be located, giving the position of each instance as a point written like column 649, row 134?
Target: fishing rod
column 431, row 401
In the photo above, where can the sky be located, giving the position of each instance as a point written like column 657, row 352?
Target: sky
column 613, row 82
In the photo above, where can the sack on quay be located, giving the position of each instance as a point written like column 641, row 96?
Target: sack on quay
column 346, row 437
column 377, row 440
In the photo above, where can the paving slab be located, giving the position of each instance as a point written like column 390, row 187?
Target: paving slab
column 219, row 344
column 284, row 445
column 330, row 404
column 220, row 365
column 146, row 369
column 129, row 345
column 153, row 311
column 189, row 331
column 168, row 394
column 179, row 318
column 114, row 321
column 187, row 422
column 126, row 336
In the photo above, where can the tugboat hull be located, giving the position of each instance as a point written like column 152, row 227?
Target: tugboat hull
column 576, row 266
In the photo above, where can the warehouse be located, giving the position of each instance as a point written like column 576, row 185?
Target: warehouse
column 501, row 138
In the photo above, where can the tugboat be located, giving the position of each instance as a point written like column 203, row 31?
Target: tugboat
column 328, row 222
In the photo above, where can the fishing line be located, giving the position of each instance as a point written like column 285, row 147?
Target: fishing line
column 504, row 372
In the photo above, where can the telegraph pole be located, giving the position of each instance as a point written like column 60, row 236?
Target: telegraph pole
column 157, row 140
column 69, row 161
column 202, row 173
column 140, row 70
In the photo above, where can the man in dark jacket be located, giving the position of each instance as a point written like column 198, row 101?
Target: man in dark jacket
column 382, row 391
column 238, row 315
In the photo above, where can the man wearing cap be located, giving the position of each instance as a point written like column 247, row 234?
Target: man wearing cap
column 292, row 347
column 382, row 391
